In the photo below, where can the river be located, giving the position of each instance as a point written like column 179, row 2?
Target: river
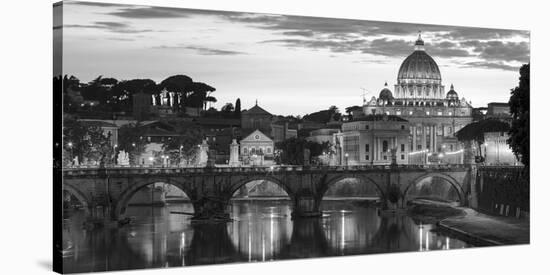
column 262, row 230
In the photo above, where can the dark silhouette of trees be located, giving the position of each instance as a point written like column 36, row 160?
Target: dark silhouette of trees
column 228, row 108
column 293, row 150
column 189, row 93
column 519, row 108
column 238, row 108
column 86, row 142
column 184, row 147
column 131, row 140
column 324, row 116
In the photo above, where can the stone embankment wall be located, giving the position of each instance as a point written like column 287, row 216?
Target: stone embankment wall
column 503, row 191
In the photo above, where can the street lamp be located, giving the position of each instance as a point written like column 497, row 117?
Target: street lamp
column 181, row 161
column 70, row 144
column 346, row 156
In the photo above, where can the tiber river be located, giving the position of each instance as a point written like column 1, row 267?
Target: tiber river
column 262, row 230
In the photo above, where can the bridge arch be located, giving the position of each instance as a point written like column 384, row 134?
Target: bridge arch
column 78, row 195
column 325, row 187
column 238, row 184
column 125, row 197
column 452, row 181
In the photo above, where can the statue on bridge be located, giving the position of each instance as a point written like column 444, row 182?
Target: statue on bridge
column 123, row 159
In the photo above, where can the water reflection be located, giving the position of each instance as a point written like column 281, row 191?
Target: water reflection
column 262, row 231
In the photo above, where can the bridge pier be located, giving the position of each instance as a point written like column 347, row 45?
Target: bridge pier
column 211, row 209
column 306, row 206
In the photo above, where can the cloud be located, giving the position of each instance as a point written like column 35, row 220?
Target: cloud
column 358, row 36
column 95, row 4
column 148, row 12
column 490, row 65
column 201, row 50
column 117, row 27
column 464, row 33
column 142, row 12
column 507, row 51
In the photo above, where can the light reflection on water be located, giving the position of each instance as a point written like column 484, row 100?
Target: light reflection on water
column 261, row 231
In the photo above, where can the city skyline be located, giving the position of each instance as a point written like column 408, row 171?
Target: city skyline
column 318, row 62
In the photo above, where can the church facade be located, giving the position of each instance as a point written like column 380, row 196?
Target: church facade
column 434, row 115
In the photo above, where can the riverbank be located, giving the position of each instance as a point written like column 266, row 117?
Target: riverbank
column 469, row 225
column 482, row 229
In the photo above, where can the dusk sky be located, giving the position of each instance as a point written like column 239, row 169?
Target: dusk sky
column 290, row 64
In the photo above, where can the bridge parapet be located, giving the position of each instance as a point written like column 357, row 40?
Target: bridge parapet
column 72, row 172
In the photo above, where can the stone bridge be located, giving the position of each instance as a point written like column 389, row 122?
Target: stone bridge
column 105, row 192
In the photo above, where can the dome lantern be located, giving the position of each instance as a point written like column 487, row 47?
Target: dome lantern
column 419, row 44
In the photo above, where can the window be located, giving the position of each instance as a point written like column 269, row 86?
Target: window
column 245, row 151
column 402, row 147
column 418, row 147
column 366, row 127
column 451, row 147
column 439, row 113
column 402, row 127
column 366, row 148
column 384, row 146
column 427, row 113
column 366, row 157
column 402, row 157
column 253, row 150
column 268, row 150
column 385, row 157
column 398, row 113
column 450, row 113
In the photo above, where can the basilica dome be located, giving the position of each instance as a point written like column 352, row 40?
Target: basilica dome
column 385, row 94
column 418, row 66
column 452, row 94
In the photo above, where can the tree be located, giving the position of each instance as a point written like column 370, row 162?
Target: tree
column 184, row 147
column 238, row 108
column 519, row 108
column 228, row 108
column 131, row 140
column 86, row 142
column 121, row 94
column 324, row 116
column 293, row 150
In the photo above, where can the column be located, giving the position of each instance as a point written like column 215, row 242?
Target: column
column 414, row 138
column 435, row 138
column 423, row 137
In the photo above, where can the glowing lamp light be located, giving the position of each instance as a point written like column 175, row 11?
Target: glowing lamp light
column 70, row 144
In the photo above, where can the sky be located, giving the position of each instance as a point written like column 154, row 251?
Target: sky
column 292, row 65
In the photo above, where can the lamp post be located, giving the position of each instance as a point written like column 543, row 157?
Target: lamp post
column 181, row 161
column 70, row 144
column 346, row 158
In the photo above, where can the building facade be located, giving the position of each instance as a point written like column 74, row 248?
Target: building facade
column 257, row 149
column 419, row 97
column 370, row 140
